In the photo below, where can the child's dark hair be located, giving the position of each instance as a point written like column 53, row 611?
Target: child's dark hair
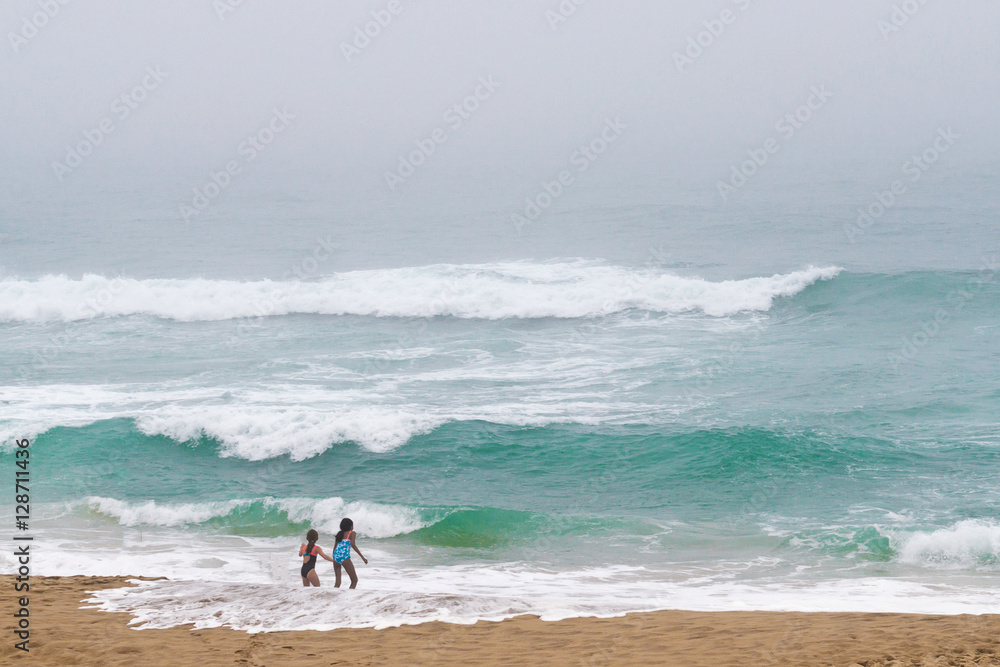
column 346, row 526
column 312, row 536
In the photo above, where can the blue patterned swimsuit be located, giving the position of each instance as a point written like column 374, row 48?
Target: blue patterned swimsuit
column 343, row 549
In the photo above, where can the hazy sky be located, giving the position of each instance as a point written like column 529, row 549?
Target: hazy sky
column 294, row 97
column 225, row 69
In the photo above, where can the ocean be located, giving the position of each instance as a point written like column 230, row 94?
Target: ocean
column 645, row 399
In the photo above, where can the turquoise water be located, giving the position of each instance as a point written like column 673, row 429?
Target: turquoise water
column 621, row 428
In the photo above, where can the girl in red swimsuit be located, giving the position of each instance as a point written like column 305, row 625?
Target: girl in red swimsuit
column 309, row 553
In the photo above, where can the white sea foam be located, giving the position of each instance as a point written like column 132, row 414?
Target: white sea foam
column 374, row 520
column 570, row 289
column 967, row 544
column 465, row 594
column 263, row 422
column 151, row 513
column 268, row 431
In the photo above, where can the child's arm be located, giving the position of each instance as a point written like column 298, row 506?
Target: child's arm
column 354, row 545
column 323, row 554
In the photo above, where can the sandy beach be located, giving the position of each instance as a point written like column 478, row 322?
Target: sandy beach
column 64, row 634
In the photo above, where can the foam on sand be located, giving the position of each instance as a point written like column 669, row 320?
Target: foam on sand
column 393, row 596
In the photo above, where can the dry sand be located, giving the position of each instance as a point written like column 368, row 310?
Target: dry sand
column 64, row 634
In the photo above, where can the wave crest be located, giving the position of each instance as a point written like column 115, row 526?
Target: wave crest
column 267, row 432
column 573, row 289
column 262, row 516
column 968, row 544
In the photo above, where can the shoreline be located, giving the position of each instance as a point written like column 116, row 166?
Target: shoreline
column 64, row 633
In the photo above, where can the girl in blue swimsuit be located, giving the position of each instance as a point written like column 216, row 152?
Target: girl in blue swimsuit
column 308, row 552
column 346, row 540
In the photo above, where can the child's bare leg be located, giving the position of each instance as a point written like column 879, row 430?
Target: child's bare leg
column 349, row 566
column 336, row 573
column 305, row 582
column 314, row 578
